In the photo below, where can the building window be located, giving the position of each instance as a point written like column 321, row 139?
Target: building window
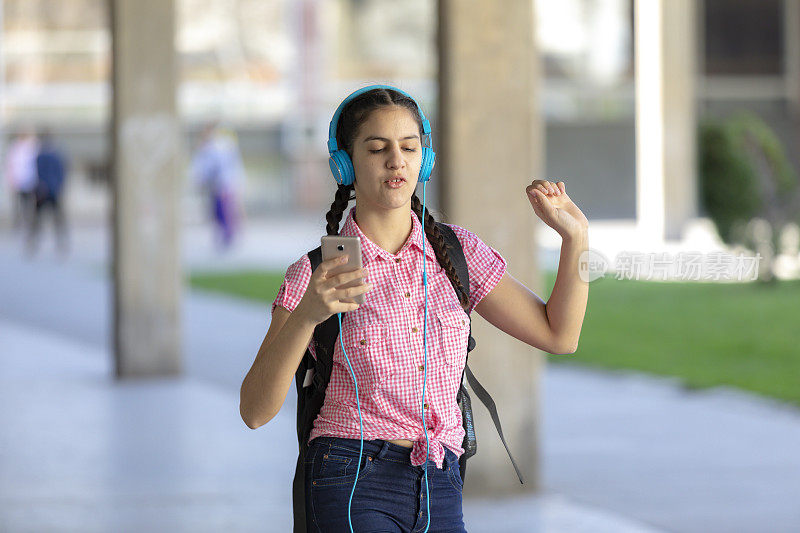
column 744, row 38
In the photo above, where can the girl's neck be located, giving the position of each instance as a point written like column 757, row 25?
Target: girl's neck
column 387, row 229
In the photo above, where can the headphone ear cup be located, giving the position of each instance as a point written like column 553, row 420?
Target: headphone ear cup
column 341, row 167
column 425, row 169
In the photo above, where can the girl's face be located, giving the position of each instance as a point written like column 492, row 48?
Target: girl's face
column 388, row 145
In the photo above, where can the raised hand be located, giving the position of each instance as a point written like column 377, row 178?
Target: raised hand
column 552, row 204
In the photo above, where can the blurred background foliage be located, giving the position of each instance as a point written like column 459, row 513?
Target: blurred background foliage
column 745, row 175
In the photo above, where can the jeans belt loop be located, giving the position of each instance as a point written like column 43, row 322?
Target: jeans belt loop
column 384, row 449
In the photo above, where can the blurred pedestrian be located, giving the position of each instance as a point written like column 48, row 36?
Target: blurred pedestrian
column 51, row 175
column 217, row 167
column 20, row 171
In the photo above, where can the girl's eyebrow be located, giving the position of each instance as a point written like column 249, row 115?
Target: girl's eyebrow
column 374, row 138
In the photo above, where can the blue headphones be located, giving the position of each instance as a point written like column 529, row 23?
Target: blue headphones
column 341, row 164
column 342, row 169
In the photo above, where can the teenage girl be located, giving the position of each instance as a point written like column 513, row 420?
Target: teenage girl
column 381, row 131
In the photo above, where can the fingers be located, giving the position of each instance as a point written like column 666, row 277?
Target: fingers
column 346, row 278
column 549, row 188
column 541, row 201
column 343, row 294
column 330, row 264
column 343, row 278
column 324, row 299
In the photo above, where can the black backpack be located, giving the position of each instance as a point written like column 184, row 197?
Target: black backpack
column 312, row 378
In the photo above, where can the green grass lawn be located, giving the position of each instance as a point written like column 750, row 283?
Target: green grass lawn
column 256, row 285
column 743, row 335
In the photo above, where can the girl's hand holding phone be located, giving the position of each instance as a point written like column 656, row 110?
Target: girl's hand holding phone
column 324, row 298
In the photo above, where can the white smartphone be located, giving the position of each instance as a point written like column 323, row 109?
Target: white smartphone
column 337, row 246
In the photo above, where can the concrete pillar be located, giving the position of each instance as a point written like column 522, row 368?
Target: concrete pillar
column 489, row 148
column 666, row 191
column 146, row 185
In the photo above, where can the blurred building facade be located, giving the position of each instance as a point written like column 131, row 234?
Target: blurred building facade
column 274, row 70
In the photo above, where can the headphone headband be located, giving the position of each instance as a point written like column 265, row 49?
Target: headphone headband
column 332, row 145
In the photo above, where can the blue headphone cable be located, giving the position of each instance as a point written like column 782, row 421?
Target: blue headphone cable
column 424, row 381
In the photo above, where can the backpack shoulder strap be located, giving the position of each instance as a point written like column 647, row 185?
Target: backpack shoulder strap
column 312, row 379
column 325, row 335
column 488, row 402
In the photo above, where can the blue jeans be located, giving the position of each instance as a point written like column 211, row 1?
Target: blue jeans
column 390, row 494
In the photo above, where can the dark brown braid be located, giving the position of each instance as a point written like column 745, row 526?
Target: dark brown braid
column 436, row 239
column 353, row 115
column 338, row 206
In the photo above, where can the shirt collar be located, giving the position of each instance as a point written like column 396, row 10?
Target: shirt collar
column 369, row 250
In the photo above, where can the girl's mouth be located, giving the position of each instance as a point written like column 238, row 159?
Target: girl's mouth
column 395, row 184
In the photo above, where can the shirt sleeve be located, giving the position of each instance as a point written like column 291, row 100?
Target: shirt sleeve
column 291, row 291
column 485, row 265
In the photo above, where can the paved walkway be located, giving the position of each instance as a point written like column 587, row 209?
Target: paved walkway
column 621, row 452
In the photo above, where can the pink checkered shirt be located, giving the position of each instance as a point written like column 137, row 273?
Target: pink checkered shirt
column 383, row 339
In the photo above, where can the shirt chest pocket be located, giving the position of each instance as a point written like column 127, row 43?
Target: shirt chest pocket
column 365, row 347
column 453, row 324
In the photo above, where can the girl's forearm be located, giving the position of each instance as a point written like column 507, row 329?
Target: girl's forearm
column 566, row 306
column 266, row 385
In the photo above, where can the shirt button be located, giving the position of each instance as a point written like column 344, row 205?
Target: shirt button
column 421, row 367
column 414, row 330
column 426, row 406
column 363, row 341
column 408, row 295
column 396, row 259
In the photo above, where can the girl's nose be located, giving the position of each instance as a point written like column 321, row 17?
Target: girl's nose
column 395, row 157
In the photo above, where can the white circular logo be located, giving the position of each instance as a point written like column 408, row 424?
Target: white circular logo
column 592, row 265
